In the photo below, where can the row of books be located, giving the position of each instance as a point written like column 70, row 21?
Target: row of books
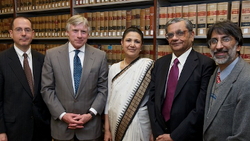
column 86, row 2
column 103, row 24
column 27, row 5
column 113, row 23
column 5, row 46
column 206, row 14
column 6, row 6
column 5, row 27
column 50, row 26
column 46, row 26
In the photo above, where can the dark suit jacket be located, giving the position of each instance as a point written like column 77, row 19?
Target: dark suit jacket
column 186, row 118
column 21, row 114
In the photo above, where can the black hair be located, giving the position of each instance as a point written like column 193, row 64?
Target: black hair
column 133, row 29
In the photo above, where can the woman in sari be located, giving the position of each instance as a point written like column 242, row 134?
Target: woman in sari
column 126, row 114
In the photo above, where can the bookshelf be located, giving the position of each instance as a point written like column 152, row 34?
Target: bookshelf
column 57, row 11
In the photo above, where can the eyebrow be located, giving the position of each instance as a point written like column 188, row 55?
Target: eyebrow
column 221, row 37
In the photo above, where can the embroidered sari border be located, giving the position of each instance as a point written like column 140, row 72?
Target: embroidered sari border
column 134, row 105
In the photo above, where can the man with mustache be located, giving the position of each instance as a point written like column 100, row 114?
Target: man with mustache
column 178, row 87
column 74, row 85
column 227, row 110
column 23, row 113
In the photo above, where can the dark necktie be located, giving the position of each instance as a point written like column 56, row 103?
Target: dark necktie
column 77, row 70
column 218, row 78
column 27, row 72
column 171, row 86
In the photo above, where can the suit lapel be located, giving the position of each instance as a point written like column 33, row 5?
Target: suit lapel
column 189, row 66
column 164, row 74
column 36, row 71
column 17, row 68
column 223, row 91
column 87, row 65
column 63, row 61
column 209, row 90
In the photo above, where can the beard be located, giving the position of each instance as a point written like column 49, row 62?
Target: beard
column 230, row 55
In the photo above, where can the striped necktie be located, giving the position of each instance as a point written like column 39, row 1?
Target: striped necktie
column 28, row 73
column 218, row 78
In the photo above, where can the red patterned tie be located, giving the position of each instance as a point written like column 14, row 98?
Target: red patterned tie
column 28, row 74
column 171, row 86
column 218, row 78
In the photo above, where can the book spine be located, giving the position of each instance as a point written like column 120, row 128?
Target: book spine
column 235, row 12
column 151, row 21
column 202, row 19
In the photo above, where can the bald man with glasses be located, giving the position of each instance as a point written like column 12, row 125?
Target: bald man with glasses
column 23, row 113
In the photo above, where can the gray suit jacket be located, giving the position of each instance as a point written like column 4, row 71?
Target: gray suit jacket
column 58, row 92
column 228, row 119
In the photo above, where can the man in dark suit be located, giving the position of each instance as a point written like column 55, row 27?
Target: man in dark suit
column 74, row 85
column 176, row 104
column 23, row 113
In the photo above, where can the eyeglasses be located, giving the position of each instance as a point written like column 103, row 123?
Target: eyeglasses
column 19, row 30
column 224, row 41
column 178, row 34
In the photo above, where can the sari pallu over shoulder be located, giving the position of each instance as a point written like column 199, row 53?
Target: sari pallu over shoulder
column 128, row 90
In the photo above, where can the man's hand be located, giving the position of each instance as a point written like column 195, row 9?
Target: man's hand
column 83, row 119
column 72, row 121
column 164, row 137
column 3, row 137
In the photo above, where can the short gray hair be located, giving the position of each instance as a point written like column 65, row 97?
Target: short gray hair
column 189, row 24
column 76, row 20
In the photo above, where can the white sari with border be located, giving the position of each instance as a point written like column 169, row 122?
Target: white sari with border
column 122, row 90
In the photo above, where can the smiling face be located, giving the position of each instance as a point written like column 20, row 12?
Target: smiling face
column 181, row 40
column 224, row 50
column 132, row 44
column 22, row 33
column 78, row 35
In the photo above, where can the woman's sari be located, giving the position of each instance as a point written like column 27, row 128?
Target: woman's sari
column 127, row 110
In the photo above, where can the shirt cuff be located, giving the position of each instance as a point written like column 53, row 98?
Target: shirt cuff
column 60, row 117
column 93, row 111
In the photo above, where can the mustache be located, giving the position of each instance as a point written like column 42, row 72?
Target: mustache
column 175, row 42
column 220, row 51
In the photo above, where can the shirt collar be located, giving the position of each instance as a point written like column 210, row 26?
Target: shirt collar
column 20, row 52
column 71, row 48
column 228, row 69
column 182, row 59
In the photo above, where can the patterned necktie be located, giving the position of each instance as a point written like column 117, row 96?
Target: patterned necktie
column 27, row 72
column 218, row 78
column 171, row 86
column 77, row 70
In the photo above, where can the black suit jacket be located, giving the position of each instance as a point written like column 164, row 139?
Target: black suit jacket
column 22, row 116
column 187, row 112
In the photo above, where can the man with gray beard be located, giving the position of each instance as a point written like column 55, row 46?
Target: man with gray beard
column 227, row 110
